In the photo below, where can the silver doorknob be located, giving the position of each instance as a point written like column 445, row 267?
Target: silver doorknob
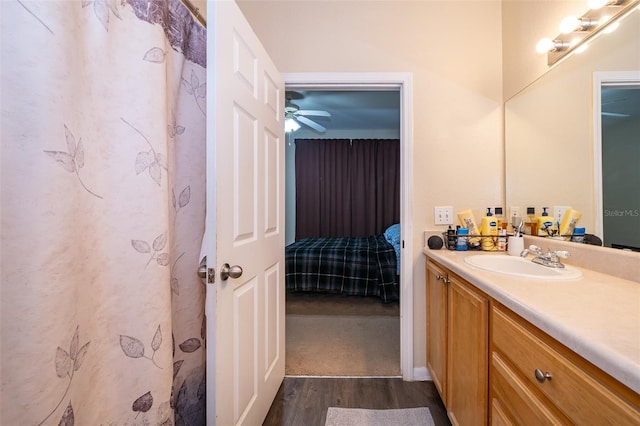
column 227, row 271
column 203, row 271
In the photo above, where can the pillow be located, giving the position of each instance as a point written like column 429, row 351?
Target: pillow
column 392, row 235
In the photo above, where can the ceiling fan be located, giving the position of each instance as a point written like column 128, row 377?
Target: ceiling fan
column 612, row 99
column 294, row 115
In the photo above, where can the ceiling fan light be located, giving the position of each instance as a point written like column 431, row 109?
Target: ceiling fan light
column 290, row 125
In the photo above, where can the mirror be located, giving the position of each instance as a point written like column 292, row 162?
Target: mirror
column 549, row 130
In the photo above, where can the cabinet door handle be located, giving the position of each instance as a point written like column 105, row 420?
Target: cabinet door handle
column 444, row 279
column 541, row 377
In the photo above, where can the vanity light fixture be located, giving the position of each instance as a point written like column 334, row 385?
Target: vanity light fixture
column 547, row 45
column 577, row 31
column 597, row 4
column 571, row 24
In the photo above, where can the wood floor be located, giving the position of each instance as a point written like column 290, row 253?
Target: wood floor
column 304, row 401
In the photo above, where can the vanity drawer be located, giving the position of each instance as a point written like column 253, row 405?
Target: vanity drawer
column 512, row 392
column 574, row 391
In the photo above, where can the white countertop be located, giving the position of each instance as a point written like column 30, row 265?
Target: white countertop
column 597, row 316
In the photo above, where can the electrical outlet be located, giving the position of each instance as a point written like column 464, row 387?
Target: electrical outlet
column 558, row 213
column 513, row 210
column 443, row 215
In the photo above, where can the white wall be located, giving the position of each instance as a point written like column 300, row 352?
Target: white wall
column 454, row 51
column 524, row 23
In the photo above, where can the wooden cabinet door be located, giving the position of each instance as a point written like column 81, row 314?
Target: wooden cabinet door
column 437, row 326
column 468, row 352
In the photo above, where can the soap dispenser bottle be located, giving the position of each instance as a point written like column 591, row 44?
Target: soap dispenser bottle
column 545, row 224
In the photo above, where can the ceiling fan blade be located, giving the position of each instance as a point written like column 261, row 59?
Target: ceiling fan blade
column 314, row 112
column 615, row 114
column 315, row 126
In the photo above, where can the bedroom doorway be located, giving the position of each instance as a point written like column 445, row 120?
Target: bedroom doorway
column 400, row 83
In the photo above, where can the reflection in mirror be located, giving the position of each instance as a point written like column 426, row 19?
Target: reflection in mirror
column 617, row 157
column 549, row 130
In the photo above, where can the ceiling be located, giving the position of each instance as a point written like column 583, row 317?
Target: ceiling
column 351, row 110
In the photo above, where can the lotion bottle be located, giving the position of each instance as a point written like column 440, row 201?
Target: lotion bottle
column 489, row 232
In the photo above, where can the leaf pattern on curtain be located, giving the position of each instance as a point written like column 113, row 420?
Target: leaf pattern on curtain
column 150, row 160
column 75, row 262
column 73, row 160
column 102, row 10
column 67, row 363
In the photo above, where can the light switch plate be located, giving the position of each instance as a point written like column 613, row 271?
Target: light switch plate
column 443, row 215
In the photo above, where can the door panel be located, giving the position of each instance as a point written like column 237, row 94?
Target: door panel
column 245, row 223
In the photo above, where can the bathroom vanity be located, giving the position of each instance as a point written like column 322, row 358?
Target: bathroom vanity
column 506, row 350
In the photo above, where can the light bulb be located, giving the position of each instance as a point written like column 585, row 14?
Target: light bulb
column 603, row 20
column 544, row 45
column 597, row 4
column 290, row 125
column 582, row 48
column 611, row 27
column 569, row 24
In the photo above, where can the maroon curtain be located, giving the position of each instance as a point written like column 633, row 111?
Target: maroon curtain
column 346, row 188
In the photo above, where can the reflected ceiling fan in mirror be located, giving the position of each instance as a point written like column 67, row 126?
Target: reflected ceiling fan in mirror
column 294, row 116
column 620, row 101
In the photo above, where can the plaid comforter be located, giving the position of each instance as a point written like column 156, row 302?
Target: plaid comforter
column 351, row 266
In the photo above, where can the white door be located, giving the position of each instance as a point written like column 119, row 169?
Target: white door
column 245, row 222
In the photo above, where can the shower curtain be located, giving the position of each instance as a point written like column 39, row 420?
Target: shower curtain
column 103, row 203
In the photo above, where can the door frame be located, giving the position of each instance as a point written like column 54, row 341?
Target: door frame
column 402, row 81
column 603, row 79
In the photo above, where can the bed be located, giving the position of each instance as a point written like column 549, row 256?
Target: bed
column 346, row 265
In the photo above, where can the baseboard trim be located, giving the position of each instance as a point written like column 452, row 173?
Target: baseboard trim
column 421, row 374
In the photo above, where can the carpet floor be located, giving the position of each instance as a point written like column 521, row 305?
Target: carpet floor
column 309, row 303
column 341, row 336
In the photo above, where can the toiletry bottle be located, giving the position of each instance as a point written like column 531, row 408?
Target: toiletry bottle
column 461, row 243
column 451, row 238
column 545, row 224
column 498, row 214
column 578, row 235
column 467, row 221
column 531, row 225
column 569, row 220
column 489, row 232
column 502, row 239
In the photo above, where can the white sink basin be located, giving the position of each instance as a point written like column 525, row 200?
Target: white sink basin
column 521, row 267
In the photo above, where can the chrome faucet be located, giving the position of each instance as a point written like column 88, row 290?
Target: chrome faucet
column 550, row 259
